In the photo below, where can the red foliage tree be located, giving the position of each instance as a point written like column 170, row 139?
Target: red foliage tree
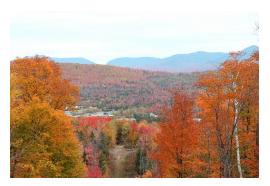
column 94, row 172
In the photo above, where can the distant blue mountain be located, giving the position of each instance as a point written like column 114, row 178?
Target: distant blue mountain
column 191, row 62
column 79, row 60
column 247, row 52
column 139, row 62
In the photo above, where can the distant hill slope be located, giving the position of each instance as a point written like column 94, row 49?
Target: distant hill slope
column 109, row 87
column 79, row 60
column 192, row 62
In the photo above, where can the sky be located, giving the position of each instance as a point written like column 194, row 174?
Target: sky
column 101, row 35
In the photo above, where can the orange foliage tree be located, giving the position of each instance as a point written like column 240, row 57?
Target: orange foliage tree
column 40, row 77
column 228, row 102
column 177, row 139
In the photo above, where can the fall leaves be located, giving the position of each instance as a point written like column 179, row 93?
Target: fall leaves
column 103, row 139
column 225, row 141
column 42, row 140
column 212, row 132
column 229, row 109
column 40, row 77
column 177, row 139
column 39, row 147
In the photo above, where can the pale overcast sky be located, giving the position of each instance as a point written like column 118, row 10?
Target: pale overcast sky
column 103, row 35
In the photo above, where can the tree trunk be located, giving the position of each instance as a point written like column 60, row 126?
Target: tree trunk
column 237, row 145
column 257, row 130
column 227, row 164
column 209, row 155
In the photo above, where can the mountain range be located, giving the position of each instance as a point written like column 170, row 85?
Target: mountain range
column 191, row 62
column 79, row 60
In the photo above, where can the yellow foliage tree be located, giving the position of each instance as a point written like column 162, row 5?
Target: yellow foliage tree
column 43, row 143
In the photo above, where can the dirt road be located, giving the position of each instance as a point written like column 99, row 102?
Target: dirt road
column 119, row 156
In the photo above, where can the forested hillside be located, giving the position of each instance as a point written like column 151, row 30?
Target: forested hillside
column 109, row 87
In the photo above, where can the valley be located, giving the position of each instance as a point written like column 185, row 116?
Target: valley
column 120, row 89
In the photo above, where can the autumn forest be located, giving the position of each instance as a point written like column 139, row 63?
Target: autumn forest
column 100, row 121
